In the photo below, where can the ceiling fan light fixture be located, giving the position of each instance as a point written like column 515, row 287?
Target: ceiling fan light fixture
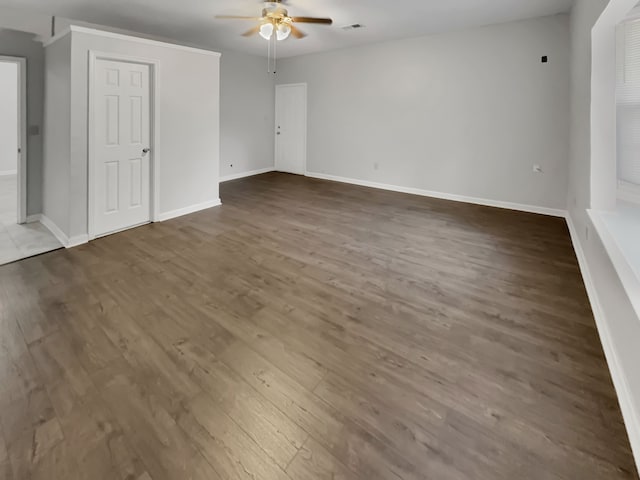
column 283, row 31
column 266, row 30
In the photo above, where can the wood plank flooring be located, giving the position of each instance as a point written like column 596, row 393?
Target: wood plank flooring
column 309, row 330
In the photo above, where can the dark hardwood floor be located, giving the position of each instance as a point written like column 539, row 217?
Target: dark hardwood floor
column 309, row 330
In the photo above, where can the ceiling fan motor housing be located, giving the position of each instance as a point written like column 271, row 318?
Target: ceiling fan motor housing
column 276, row 15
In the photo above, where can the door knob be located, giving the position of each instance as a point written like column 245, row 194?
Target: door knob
column 146, row 150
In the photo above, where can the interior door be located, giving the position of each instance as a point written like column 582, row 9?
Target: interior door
column 291, row 128
column 121, row 129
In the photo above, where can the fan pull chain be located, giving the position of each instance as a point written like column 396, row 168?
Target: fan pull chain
column 269, row 56
column 275, row 53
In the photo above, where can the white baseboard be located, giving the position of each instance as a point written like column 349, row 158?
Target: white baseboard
column 77, row 240
column 67, row 242
column 445, row 196
column 251, row 173
column 8, row 172
column 54, row 229
column 81, row 239
column 162, row 217
column 629, row 413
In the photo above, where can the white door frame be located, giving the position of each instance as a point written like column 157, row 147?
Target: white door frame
column 22, row 135
column 275, row 146
column 154, row 134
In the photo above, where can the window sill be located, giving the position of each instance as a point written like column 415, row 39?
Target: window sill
column 619, row 231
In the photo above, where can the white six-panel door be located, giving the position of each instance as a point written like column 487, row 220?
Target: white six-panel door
column 291, row 128
column 121, row 133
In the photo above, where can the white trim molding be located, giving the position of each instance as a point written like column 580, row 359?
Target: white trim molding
column 67, row 242
column 6, row 173
column 625, row 398
column 50, row 41
column 163, row 217
column 553, row 212
column 129, row 38
column 77, row 240
column 251, row 173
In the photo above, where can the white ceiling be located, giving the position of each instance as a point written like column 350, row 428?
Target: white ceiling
column 193, row 22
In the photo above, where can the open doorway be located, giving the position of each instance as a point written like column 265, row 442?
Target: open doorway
column 12, row 129
column 17, row 238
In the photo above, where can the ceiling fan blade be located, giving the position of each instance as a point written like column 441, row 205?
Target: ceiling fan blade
column 253, row 31
column 236, row 17
column 325, row 21
column 297, row 32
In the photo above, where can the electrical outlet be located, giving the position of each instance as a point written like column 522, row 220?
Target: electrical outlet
column 537, row 169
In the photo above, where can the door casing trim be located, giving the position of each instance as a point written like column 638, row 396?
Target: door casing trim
column 154, row 134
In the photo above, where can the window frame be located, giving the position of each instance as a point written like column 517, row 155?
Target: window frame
column 625, row 191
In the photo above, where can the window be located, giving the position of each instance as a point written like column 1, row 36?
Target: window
column 628, row 110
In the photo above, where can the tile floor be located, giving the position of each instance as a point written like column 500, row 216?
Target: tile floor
column 19, row 241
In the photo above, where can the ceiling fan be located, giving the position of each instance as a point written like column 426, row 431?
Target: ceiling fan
column 275, row 18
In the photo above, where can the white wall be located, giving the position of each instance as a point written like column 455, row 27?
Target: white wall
column 8, row 118
column 21, row 44
column 24, row 20
column 57, row 135
column 247, row 106
column 247, row 110
column 618, row 324
column 189, row 141
column 466, row 113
